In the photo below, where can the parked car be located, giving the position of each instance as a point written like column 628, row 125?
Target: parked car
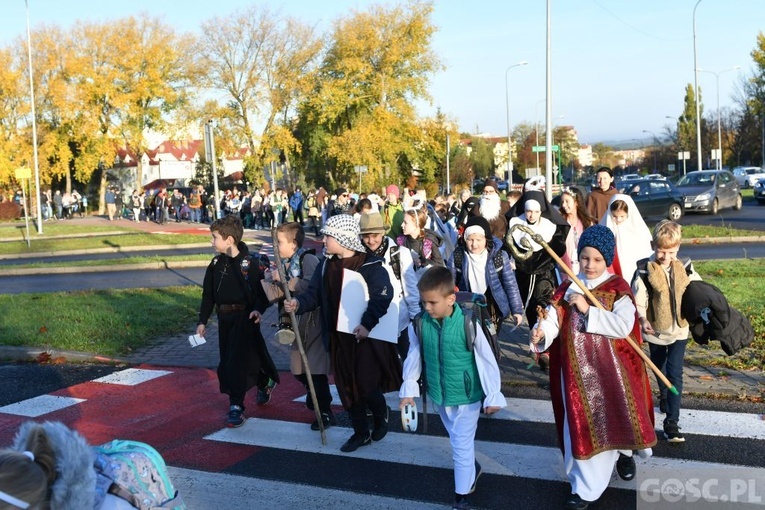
column 502, row 185
column 657, row 198
column 621, row 183
column 658, row 177
column 747, row 176
column 759, row 191
column 709, row 191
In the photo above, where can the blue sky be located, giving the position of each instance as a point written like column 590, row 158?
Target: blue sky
column 618, row 66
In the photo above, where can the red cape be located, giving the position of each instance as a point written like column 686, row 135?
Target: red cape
column 603, row 381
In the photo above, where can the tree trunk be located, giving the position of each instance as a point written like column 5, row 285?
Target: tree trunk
column 102, row 193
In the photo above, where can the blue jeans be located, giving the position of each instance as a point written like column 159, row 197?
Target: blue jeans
column 669, row 359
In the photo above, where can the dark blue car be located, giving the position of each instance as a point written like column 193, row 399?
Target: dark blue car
column 655, row 198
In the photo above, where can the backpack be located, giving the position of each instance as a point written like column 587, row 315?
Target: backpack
column 139, row 475
column 395, row 260
column 475, row 311
column 642, row 271
column 459, row 257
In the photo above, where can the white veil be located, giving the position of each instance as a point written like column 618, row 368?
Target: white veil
column 633, row 239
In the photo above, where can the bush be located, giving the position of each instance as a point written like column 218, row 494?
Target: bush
column 10, row 210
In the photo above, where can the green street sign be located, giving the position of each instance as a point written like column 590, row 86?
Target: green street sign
column 542, row 148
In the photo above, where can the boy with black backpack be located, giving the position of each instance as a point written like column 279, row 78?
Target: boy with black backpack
column 232, row 283
column 461, row 378
column 658, row 284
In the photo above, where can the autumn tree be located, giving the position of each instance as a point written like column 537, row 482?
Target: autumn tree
column 686, row 125
column 756, row 93
column 15, row 150
column 481, row 157
column 361, row 112
column 264, row 63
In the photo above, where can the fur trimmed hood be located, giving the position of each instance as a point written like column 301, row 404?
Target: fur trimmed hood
column 76, row 479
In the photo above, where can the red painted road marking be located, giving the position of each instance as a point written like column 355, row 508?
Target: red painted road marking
column 172, row 413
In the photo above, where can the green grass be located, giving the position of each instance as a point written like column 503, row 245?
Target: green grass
column 105, row 241
column 739, row 280
column 706, row 231
column 55, row 228
column 109, row 322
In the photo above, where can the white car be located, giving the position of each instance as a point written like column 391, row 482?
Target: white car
column 747, row 176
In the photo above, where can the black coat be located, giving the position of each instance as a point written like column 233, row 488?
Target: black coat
column 710, row 317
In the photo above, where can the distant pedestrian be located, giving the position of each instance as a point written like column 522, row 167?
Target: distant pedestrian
column 296, row 204
column 111, row 203
column 597, row 200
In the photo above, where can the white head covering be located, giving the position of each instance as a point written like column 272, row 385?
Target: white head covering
column 633, row 238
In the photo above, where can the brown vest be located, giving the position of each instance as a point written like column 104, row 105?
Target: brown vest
column 666, row 297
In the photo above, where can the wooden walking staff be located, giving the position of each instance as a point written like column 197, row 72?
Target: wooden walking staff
column 538, row 239
column 296, row 330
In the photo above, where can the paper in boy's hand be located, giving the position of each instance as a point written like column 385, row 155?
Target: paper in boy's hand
column 196, row 340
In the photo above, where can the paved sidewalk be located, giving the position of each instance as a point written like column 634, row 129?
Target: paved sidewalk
column 515, row 364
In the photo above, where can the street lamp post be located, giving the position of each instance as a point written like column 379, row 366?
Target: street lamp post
column 34, row 125
column 536, row 128
column 509, row 143
column 654, row 149
column 696, row 90
column 552, row 144
column 719, row 125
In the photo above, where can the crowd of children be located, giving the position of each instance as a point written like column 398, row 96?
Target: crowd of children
column 399, row 249
column 620, row 282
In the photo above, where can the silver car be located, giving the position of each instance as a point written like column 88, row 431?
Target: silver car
column 709, row 191
column 747, row 176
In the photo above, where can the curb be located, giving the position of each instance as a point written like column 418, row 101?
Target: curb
column 33, row 353
column 724, row 240
column 181, row 264
column 115, row 249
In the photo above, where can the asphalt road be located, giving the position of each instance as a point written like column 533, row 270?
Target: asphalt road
column 54, row 282
column 275, row 458
column 750, row 217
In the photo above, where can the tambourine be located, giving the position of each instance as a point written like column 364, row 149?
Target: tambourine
column 409, row 417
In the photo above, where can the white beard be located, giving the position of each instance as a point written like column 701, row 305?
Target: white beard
column 490, row 207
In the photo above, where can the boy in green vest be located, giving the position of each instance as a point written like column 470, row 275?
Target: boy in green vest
column 459, row 379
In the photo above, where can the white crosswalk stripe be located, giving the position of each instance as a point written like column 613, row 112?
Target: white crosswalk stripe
column 707, row 423
column 38, row 406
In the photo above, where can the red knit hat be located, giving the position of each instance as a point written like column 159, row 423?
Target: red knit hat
column 393, row 190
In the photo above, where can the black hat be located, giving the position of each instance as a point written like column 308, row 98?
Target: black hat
column 491, row 182
column 481, row 222
column 340, row 191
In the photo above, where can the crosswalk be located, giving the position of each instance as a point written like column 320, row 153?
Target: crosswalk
column 276, row 461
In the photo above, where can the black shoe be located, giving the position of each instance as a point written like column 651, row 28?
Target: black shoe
column 672, row 431
column 625, row 467
column 478, row 472
column 355, row 441
column 576, row 503
column 544, row 362
column 381, row 425
column 235, row 417
column 327, row 419
column 264, row 394
column 461, row 504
